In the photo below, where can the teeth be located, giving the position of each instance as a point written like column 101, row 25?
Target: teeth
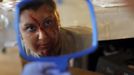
column 44, row 52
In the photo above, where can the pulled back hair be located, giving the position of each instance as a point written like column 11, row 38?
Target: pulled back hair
column 35, row 4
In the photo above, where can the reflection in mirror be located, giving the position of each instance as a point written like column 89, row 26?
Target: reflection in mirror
column 51, row 29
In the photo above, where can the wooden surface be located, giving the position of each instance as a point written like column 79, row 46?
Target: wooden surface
column 10, row 62
column 76, row 71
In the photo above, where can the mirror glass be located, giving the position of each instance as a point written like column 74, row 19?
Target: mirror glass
column 55, row 28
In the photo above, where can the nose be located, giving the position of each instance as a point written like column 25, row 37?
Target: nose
column 41, row 34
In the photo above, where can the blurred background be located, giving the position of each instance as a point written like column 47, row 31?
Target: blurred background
column 115, row 28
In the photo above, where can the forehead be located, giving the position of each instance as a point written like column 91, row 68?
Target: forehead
column 42, row 11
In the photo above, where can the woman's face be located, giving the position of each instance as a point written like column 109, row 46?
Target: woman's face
column 40, row 30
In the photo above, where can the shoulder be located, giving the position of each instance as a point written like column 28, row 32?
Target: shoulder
column 76, row 31
column 76, row 38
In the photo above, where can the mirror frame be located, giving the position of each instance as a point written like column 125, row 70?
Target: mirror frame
column 63, row 59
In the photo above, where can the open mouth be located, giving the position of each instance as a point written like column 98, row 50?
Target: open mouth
column 43, row 51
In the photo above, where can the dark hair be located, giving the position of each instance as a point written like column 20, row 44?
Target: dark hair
column 35, row 4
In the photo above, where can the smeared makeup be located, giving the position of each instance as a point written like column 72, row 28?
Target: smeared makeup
column 35, row 20
column 46, row 43
column 41, row 52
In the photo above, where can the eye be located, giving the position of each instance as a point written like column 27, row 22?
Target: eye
column 30, row 28
column 48, row 23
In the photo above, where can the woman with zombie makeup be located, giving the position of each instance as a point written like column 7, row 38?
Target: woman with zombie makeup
column 42, row 35
column 39, row 27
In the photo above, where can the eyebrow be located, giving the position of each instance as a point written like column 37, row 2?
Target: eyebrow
column 35, row 20
column 28, row 24
column 48, row 17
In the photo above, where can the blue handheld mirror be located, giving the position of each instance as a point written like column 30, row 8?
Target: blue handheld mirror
column 52, row 32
